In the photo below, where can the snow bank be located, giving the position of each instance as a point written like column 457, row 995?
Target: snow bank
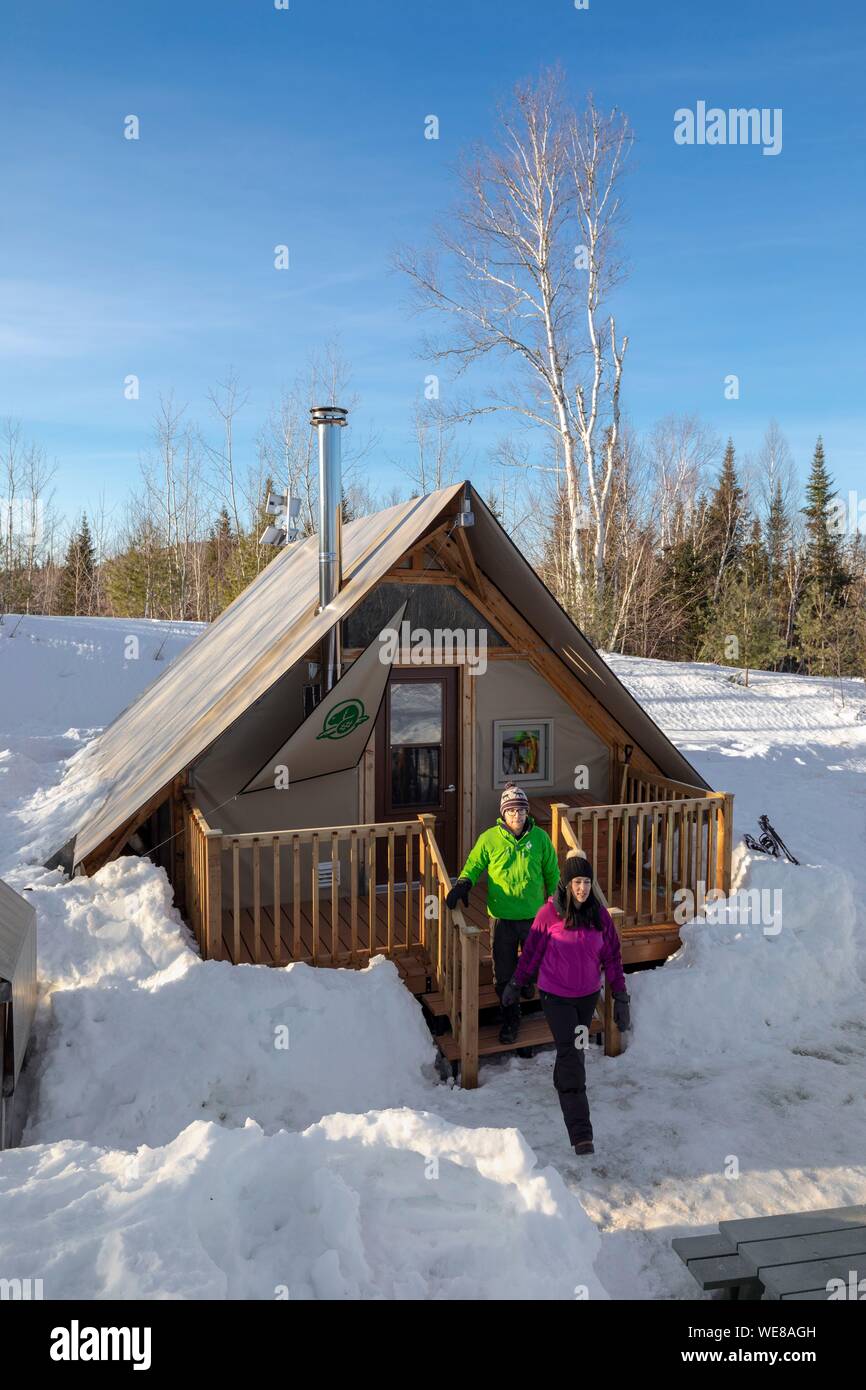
column 739, row 985
column 140, row 1036
column 393, row 1204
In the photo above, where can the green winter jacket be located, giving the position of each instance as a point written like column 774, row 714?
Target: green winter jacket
column 521, row 874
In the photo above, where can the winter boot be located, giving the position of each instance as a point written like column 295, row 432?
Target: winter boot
column 584, row 1146
column 510, row 1024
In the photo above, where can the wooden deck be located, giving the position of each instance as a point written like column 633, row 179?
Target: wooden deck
column 639, row 944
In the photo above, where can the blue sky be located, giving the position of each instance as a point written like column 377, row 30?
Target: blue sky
column 305, row 127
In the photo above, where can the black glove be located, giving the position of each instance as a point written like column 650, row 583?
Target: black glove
column 459, row 893
column 510, row 994
column 621, row 1011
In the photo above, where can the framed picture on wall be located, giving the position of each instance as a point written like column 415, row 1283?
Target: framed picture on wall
column 522, row 751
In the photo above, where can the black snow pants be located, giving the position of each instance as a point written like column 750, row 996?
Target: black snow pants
column 569, row 1070
column 508, row 938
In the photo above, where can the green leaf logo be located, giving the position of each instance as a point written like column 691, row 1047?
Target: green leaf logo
column 344, row 719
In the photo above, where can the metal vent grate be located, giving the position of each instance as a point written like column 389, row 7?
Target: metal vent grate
column 325, row 872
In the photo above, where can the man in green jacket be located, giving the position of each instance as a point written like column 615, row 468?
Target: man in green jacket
column 522, row 872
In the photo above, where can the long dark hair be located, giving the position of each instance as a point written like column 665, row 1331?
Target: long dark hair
column 575, row 915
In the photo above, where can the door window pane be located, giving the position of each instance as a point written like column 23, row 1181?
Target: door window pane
column 415, row 776
column 416, row 712
column 416, row 743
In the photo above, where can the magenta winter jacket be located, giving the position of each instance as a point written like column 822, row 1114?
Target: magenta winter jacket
column 570, row 962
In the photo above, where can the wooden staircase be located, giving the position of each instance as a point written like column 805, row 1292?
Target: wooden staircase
column 534, row 1031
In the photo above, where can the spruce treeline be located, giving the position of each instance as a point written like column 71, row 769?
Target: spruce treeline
column 706, row 574
column 703, row 564
column 774, row 605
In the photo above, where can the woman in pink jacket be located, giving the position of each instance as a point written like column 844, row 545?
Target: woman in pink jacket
column 571, row 941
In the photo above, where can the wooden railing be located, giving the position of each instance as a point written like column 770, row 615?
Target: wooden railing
column 632, row 786
column 203, row 886
column 455, row 957
column 644, row 852
column 328, row 895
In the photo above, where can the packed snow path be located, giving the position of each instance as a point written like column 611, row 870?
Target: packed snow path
column 202, row 1131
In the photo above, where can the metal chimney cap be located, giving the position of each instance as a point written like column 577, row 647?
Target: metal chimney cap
column 328, row 415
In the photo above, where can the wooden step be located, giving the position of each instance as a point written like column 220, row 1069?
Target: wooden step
column 534, row 1032
column 487, row 999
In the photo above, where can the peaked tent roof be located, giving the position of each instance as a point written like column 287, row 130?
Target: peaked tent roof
column 253, row 642
column 270, row 626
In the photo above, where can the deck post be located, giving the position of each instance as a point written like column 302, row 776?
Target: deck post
column 434, row 938
column 612, row 1035
column 725, row 844
column 469, row 1007
column 558, row 809
column 212, row 933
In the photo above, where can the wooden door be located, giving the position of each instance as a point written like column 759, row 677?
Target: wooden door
column 417, row 753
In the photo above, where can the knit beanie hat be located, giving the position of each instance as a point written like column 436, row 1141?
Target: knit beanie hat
column 513, row 797
column 576, row 866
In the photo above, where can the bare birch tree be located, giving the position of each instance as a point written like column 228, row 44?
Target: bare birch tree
column 436, row 455
column 287, row 446
column 682, row 452
column 26, row 517
column 530, row 260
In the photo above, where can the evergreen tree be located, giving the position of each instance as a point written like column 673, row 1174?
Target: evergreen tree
column 740, row 629
column 136, row 580
column 778, row 537
column 685, row 587
column 76, row 582
column 755, row 561
column 725, row 522
column 824, row 547
column 830, row 632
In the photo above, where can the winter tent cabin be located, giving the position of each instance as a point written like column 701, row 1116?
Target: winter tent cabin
column 352, row 857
